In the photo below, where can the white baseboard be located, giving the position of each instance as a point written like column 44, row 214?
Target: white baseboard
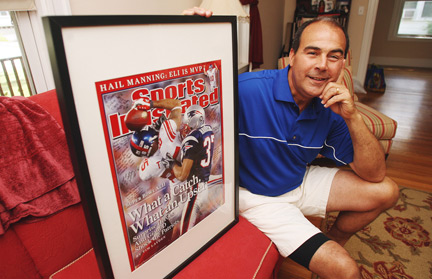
column 397, row 61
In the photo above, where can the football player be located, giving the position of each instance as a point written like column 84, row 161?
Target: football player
column 211, row 74
column 158, row 141
column 195, row 167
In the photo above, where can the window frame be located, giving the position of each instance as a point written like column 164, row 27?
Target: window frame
column 394, row 25
column 32, row 35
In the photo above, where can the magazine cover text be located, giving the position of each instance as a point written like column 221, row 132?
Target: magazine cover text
column 164, row 138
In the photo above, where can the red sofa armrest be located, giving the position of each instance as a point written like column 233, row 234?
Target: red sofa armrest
column 48, row 100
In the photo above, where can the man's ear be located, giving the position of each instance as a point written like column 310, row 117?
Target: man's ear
column 291, row 57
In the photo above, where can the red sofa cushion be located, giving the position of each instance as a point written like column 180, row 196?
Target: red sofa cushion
column 57, row 240
column 15, row 261
column 243, row 252
column 85, row 267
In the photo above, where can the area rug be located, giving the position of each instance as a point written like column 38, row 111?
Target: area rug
column 397, row 245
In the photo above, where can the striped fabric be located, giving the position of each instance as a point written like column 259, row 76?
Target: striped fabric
column 386, row 144
column 382, row 126
column 348, row 81
column 348, row 59
column 283, row 62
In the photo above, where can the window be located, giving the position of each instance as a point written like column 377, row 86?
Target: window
column 412, row 20
column 15, row 78
column 30, row 37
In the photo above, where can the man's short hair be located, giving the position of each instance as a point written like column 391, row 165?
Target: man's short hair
column 331, row 21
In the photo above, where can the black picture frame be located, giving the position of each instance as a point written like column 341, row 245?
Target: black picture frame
column 89, row 50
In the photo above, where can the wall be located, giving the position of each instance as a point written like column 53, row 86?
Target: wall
column 275, row 14
column 356, row 31
column 160, row 7
column 396, row 53
column 98, row 7
column 272, row 23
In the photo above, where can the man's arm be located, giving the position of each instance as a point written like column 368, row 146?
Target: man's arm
column 369, row 158
column 182, row 172
column 174, row 106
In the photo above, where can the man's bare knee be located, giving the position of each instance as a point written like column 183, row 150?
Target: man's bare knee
column 332, row 261
column 389, row 193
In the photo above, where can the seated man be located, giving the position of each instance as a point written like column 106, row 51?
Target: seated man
column 286, row 118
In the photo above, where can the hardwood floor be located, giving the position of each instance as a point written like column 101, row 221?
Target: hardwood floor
column 408, row 100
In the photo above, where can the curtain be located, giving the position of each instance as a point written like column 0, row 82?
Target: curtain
column 256, row 44
column 17, row 5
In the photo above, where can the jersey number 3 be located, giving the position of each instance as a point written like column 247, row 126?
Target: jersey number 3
column 208, row 144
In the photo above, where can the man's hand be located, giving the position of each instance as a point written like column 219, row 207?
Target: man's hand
column 168, row 162
column 158, row 123
column 338, row 98
column 142, row 104
column 198, row 11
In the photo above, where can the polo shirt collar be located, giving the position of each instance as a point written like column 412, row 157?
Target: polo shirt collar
column 282, row 92
column 281, row 89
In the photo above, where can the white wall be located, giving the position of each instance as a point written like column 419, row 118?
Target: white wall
column 272, row 23
column 384, row 51
column 158, row 7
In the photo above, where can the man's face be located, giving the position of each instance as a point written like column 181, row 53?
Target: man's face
column 318, row 61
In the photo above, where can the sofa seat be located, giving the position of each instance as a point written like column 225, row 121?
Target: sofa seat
column 242, row 252
column 251, row 255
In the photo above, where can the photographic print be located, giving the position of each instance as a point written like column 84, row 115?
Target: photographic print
column 149, row 107
column 154, row 123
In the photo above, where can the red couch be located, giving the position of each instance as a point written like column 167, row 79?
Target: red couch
column 59, row 246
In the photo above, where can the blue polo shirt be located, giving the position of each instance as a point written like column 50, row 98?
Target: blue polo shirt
column 276, row 142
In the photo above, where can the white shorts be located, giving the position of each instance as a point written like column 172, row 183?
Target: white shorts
column 282, row 218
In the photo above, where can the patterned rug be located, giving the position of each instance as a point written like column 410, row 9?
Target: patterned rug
column 397, row 245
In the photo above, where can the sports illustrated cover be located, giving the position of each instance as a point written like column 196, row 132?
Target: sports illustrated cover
column 164, row 138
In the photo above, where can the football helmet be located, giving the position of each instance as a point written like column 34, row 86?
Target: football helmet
column 194, row 117
column 144, row 142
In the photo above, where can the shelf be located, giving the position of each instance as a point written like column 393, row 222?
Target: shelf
column 335, row 14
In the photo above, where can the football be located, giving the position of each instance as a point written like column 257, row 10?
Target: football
column 136, row 119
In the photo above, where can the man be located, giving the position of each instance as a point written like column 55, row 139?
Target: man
column 286, row 118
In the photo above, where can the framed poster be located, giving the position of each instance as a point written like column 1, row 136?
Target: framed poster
column 149, row 105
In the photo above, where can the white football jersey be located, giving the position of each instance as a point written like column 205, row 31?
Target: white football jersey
column 169, row 140
column 169, row 143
